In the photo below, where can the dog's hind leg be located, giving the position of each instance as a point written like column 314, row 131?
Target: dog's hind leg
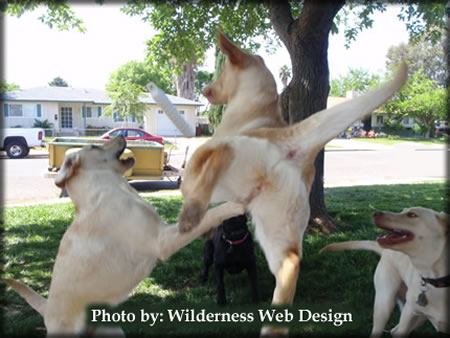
column 206, row 166
column 286, row 278
column 286, row 275
column 253, row 276
column 221, row 297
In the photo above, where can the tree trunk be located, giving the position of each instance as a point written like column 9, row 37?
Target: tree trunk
column 306, row 39
column 185, row 82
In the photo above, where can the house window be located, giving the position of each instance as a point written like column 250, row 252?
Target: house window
column 22, row 110
column 89, row 112
column 99, row 111
column 15, row 110
column 379, row 119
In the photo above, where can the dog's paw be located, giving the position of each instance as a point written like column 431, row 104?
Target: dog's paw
column 274, row 331
column 190, row 216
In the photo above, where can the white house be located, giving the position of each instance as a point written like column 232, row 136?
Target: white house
column 72, row 110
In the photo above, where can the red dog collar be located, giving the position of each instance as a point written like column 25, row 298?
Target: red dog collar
column 442, row 282
column 238, row 241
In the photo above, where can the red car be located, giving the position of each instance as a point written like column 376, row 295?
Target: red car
column 132, row 134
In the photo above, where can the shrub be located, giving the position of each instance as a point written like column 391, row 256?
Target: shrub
column 42, row 124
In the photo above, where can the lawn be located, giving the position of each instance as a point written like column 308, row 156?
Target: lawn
column 340, row 281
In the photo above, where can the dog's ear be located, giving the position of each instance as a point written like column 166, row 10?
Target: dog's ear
column 443, row 219
column 234, row 54
column 70, row 165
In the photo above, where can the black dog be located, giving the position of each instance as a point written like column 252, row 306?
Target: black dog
column 231, row 248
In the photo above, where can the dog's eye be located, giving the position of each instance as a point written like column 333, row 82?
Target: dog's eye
column 411, row 214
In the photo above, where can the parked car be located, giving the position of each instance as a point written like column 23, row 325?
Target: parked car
column 442, row 130
column 18, row 141
column 132, row 134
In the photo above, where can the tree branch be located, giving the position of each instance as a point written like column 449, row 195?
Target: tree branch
column 316, row 17
column 281, row 18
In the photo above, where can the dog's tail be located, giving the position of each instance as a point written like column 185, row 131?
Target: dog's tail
column 35, row 300
column 310, row 135
column 354, row 245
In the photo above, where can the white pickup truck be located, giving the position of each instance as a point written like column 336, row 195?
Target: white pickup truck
column 18, row 141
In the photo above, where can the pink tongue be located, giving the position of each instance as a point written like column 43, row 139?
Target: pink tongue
column 392, row 238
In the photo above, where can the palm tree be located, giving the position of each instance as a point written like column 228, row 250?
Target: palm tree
column 285, row 74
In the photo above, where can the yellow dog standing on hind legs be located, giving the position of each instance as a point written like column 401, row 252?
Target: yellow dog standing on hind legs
column 113, row 243
column 255, row 159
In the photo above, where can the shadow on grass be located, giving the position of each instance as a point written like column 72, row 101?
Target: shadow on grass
column 339, row 281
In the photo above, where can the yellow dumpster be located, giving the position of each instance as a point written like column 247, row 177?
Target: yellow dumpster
column 149, row 156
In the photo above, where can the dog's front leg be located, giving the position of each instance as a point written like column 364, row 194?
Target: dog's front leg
column 170, row 238
column 221, row 297
column 387, row 282
column 382, row 309
column 208, row 259
column 408, row 321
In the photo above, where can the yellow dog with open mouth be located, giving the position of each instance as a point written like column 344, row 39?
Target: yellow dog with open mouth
column 415, row 252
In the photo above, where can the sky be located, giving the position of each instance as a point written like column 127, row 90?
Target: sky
column 34, row 54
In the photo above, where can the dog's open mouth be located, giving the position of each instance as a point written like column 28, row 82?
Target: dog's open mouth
column 395, row 236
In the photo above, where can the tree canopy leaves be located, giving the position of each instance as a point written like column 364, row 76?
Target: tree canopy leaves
column 141, row 73
column 422, row 99
column 126, row 86
column 58, row 14
column 125, row 99
column 357, row 79
column 186, row 30
column 421, row 55
column 6, row 87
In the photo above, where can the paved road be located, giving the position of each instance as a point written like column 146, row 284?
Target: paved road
column 347, row 163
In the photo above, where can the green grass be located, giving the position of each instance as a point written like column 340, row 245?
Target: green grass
column 393, row 140
column 341, row 281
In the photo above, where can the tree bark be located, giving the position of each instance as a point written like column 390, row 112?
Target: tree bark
column 185, row 82
column 306, row 39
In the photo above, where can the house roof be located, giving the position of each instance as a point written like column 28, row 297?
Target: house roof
column 78, row 95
